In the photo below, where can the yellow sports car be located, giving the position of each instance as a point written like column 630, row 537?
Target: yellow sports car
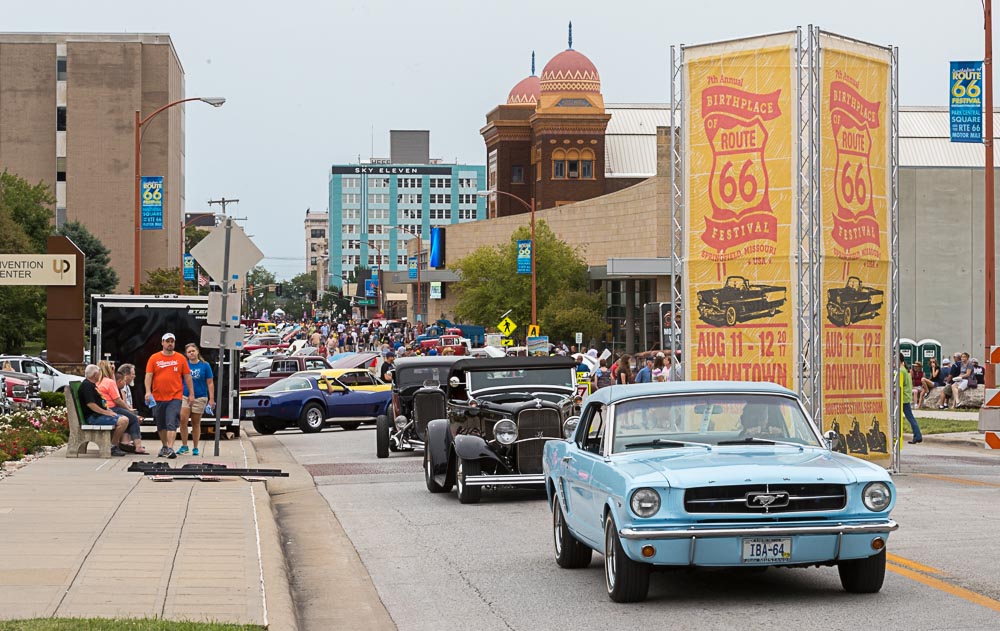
column 354, row 378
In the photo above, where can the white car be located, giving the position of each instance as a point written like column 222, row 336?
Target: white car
column 49, row 379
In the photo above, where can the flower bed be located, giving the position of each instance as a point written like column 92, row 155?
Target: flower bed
column 27, row 431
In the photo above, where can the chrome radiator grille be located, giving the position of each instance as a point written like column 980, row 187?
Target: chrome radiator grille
column 535, row 423
column 427, row 406
column 778, row 498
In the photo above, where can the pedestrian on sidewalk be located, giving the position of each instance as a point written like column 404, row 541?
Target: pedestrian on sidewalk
column 97, row 412
column 166, row 374
column 907, row 393
column 204, row 398
column 124, row 379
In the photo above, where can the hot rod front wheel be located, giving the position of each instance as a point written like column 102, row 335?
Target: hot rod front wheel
column 468, row 494
column 731, row 316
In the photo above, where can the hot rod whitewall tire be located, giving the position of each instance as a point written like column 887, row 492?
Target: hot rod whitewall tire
column 465, row 468
column 570, row 553
column 863, row 576
column 627, row 580
column 264, row 427
column 312, row 419
column 382, row 432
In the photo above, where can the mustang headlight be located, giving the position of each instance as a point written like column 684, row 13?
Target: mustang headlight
column 877, row 496
column 505, row 431
column 645, row 502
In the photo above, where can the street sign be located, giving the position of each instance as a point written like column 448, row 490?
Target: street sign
column 579, row 337
column 370, row 288
column 507, row 341
column 233, row 307
column 366, row 302
column 243, row 255
column 532, row 330
column 211, row 336
column 506, row 326
column 994, row 356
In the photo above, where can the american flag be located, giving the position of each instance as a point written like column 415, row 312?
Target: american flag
column 202, row 281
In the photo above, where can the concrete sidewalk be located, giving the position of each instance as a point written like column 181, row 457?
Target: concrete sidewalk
column 84, row 537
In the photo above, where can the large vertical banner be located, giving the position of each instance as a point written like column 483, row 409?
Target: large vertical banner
column 855, row 183
column 740, row 142
column 152, row 202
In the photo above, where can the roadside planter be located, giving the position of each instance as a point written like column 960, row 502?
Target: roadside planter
column 25, row 432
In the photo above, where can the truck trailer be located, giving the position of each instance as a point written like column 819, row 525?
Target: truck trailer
column 128, row 329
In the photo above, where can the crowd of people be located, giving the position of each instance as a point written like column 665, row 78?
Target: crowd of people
column 955, row 375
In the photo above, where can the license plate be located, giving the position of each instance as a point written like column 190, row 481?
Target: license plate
column 249, row 413
column 767, row 549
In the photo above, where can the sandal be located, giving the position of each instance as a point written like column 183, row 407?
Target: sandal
column 141, row 451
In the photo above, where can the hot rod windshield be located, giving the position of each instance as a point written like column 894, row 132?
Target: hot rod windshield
column 663, row 421
column 419, row 375
column 520, row 377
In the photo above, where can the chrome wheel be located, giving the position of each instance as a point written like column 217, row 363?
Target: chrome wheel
column 314, row 418
column 610, row 559
column 557, row 526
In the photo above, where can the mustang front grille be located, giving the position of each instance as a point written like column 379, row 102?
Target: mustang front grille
column 535, row 423
column 765, row 498
column 427, row 406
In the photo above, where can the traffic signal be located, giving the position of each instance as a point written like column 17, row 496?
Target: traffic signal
column 277, row 290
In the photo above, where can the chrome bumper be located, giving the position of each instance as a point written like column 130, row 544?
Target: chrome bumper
column 500, row 480
column 762, row 531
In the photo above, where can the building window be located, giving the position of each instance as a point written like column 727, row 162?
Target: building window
column 60, row 169
column 465, row 214
column 467, row 182
column 517, row 175
column 558, row 169
column 351, row 198
column 317, row 233
column 60, row 68
column 312, row 261
column 378, row 213
column 60, row 119
column 587, row 169
column 440, row 213
column 378, row 182
column 573, row 169
column 440, row 182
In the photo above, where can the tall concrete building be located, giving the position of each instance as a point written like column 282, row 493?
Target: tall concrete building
column 67, row 116
column 317, row 243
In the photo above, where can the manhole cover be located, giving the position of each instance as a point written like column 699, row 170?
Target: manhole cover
column 364, row 468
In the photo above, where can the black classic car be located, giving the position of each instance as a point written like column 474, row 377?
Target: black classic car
column 499, row 415
column 418, row 397
column 853, row 302
column 739, row 300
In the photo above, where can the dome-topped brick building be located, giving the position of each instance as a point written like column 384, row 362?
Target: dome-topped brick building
column 547, row 141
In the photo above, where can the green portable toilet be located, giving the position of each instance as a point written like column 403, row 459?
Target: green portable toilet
column 929, row 349
column 908, row 348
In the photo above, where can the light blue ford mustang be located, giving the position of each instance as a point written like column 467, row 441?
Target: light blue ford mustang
column 714, row 474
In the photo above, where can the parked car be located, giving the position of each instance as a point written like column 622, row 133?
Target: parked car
column 712, row 474
column 853, row 302
column 311, row 402
column 739, row 300
column 30, row 380
column 499, row 414
column 281, row 367
column 365, row 359
column 6, row 405
column 418, row 397
column 49, row 379
column 18, row 395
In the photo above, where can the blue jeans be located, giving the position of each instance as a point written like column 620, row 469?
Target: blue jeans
column 133, row 422
column 908, row 413
column 101, row 419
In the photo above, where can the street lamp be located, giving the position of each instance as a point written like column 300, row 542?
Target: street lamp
column 530, row 206
column 139, row 122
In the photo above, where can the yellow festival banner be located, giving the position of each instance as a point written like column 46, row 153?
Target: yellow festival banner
column 855, row 182
column 741, row 162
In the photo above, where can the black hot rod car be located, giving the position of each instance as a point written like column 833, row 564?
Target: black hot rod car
column 418, row 397
column 500, row 413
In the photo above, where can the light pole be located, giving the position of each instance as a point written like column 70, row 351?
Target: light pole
column 990, row 245
column 530, row 206
column 420, row 246
column 139, row 122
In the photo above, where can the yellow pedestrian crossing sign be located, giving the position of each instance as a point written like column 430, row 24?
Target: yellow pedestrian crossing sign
column 532, row 330
column 507, row 341
column 507, row 326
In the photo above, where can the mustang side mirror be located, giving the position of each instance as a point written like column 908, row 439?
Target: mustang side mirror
column 569, row 427
column 831, row 439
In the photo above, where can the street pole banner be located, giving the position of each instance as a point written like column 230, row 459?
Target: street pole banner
column 524, row 256
column 370, row 288
column 740, row 139
column 411, row 267
column 188, row 267
column 151, row 188
column 855, row 245
column 965, row 96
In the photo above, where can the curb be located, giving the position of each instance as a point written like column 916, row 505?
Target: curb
column 280, row 608
column 321, row 559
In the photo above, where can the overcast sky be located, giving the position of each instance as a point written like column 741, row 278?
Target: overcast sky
column 310, row 84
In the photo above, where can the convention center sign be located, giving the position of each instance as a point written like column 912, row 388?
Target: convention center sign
column 855, row 217
column 740, row 170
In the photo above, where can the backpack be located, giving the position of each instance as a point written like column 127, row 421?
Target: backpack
column 979, row 374
column 604, row 378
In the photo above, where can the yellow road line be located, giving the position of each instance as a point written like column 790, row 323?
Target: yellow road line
column 945, row 478
column 913, row 565
column 954, row 590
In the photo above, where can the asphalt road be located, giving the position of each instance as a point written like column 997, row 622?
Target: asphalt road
column 440, row 565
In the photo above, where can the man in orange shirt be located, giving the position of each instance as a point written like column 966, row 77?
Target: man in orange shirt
column 166, row 373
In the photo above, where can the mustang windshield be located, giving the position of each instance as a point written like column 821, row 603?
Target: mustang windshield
column 520, row 377
column 711, row 420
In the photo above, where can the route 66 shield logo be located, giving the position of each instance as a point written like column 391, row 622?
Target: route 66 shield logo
column 738, row 183
column 854, row 177
column 524, row 249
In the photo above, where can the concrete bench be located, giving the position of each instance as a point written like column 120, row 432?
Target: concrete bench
column 80, row 436
column 971, row 398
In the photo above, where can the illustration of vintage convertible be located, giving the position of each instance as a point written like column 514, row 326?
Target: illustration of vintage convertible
column 853, row 302
column 739, row 300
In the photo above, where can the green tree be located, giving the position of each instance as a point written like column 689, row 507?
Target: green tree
column 490, row 285
column 29, row 207
column 260, row 278
column 193, row 236
column 99, row 276
column 162, row 280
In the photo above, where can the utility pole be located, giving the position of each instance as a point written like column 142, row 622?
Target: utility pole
column 223, row 202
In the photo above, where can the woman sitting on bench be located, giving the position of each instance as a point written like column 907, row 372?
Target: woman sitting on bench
column 97, row 412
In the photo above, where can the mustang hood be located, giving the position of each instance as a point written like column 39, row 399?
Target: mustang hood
column 726, row 466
